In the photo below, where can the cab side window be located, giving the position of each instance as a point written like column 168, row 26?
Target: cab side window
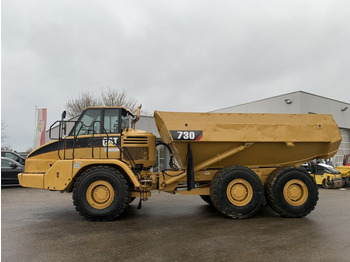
column 111, row 121
column 90, row 123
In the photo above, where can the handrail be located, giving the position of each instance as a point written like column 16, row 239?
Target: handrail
column 60, row 135
column 123, row 151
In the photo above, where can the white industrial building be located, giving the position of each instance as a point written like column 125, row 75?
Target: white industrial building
column 300, row 102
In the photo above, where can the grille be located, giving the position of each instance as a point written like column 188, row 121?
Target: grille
column 138, row 153
column 132, row 140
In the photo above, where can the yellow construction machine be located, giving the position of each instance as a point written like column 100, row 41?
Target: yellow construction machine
column 326, row 176
column 233, row 161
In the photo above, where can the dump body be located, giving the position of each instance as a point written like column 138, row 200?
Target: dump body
column 274, row 139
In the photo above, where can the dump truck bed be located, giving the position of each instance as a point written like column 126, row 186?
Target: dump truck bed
column 276, row 139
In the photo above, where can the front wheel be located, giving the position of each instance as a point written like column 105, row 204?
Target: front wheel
column 101, row 193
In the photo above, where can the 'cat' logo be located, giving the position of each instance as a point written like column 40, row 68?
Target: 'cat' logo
column 111, row 141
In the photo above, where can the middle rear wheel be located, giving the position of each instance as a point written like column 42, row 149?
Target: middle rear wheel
column 237, row 192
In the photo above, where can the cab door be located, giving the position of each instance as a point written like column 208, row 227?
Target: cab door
column 97, row 134
column 112, row 126
column 85, row 140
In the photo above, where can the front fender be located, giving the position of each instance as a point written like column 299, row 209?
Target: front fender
column 82, row 164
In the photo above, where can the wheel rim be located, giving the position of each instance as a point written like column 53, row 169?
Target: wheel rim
column 100, row 194
column 239, row 192
column 295, row 192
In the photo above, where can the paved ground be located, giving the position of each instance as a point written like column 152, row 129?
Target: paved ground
column 40, row 225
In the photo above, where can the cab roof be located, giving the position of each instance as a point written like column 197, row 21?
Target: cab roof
column 110, row 107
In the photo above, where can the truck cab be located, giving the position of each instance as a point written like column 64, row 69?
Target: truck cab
column 101, row 135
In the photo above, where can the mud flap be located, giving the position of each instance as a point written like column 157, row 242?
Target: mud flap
column 190, row 169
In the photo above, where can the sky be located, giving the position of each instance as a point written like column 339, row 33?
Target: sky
column 195, row 55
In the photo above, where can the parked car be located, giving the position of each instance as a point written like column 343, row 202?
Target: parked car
column 14, row 156
column 9, row 171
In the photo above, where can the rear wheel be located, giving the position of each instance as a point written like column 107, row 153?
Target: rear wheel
column 237, row 192
column 101, row 193
column 291, row 192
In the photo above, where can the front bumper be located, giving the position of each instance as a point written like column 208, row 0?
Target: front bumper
column 31, row 180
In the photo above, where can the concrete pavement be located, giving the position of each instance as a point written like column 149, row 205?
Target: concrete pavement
column 39, row 225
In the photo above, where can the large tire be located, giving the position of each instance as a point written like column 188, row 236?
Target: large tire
column 207, row 199
column 237, row 192
column 291, row 192
column 101, row 193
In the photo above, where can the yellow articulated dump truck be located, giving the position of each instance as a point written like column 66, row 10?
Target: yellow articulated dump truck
column 233, row 161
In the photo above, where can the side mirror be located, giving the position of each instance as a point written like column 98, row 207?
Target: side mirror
column 13, row 165
column 63, row 124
